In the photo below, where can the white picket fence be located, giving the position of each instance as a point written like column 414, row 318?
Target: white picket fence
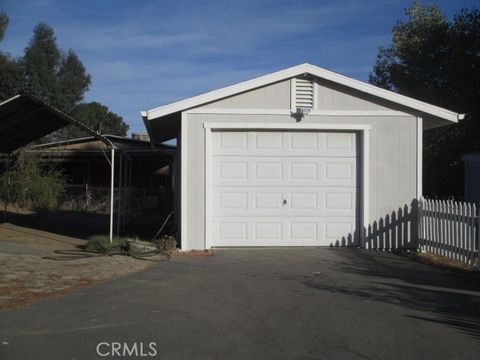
column 450, row 229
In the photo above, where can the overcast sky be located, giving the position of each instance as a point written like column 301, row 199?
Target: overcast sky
column 143, row 54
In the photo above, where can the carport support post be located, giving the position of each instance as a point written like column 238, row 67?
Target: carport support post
column 119, row 202
column 7, row 188
column 112, row 190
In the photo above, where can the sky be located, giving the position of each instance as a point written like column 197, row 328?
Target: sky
column 142, row 54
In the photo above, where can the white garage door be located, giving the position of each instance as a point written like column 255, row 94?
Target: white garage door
column 282, row 188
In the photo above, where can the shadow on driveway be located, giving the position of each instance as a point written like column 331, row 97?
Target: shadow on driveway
column 452, row 297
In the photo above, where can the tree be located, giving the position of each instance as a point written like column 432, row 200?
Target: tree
column 3, row 23
column 41, row 63
column 10, row 76
column 97, row 117
column 10, row 71
column 73, row 81
column 437, row 61
column 58, row 79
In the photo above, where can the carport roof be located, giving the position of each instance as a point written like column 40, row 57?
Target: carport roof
column 25, row 118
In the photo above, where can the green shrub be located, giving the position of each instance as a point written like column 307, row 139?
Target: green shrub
column 33, row 183
column 101, row 243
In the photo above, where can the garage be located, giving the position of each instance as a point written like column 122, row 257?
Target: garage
column 299, row 157
column 282, row 188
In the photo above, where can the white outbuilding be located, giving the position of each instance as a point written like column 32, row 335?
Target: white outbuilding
column 472, row 177
column 299, row 157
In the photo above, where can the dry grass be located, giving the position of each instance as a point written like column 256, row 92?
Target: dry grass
column 193, row 253
column 444, row 262
column 19, row 293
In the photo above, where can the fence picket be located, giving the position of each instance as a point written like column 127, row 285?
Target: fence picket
column 431, row 226
column 474, row 233
column 471, row 229
column 461, row 243
column 469, row 232
column 450, row 214
column 456, row 253
column 446, row 245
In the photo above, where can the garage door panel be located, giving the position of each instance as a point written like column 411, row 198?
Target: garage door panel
column 304, row 231
column 339, row 232
column 304, row 170
column 268, row 141
column 339, row 171
column 267, row 231
column 284, row 171
column 264, row 169
column 298, row 143
column 228, row 200
column 232, row 170
column 305, row 141
column 267, row 200
column 232, row 232
column 245, row 231
column 274, row 188
column 303, row 201
column 232, row 141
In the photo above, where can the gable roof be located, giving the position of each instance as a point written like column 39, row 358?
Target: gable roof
column 294, row 71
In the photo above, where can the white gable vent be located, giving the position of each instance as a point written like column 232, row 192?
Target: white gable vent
column 303, row 94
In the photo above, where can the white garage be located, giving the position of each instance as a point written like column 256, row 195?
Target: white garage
column 299, row 157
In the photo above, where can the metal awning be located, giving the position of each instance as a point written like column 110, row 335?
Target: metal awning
column 24, row 118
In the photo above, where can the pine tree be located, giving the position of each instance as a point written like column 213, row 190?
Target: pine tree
column 10, row 71
column 41, row 63
column 3, row 24
column 73, row 82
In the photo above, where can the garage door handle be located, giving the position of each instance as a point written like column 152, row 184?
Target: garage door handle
column 284, row 201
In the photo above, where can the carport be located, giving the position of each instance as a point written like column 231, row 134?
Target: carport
column 25, row 118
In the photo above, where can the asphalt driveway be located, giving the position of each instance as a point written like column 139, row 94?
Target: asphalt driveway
column 260, row 304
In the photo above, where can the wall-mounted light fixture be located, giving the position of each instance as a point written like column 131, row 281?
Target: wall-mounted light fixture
column 300, row 113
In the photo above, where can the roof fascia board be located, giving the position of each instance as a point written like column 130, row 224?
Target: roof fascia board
column 226, row 91
column 295, row 71
column 383, row 93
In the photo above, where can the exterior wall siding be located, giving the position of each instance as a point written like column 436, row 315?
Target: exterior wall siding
column 275, row 96
column 392, row 170
column 328, row 97
column 472, row 176
column 334, row 97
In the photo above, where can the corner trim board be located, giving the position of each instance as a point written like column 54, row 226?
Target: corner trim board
column 419, row 157
column 183, row 183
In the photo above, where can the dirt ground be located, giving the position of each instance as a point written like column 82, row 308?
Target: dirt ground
column 25, row 276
